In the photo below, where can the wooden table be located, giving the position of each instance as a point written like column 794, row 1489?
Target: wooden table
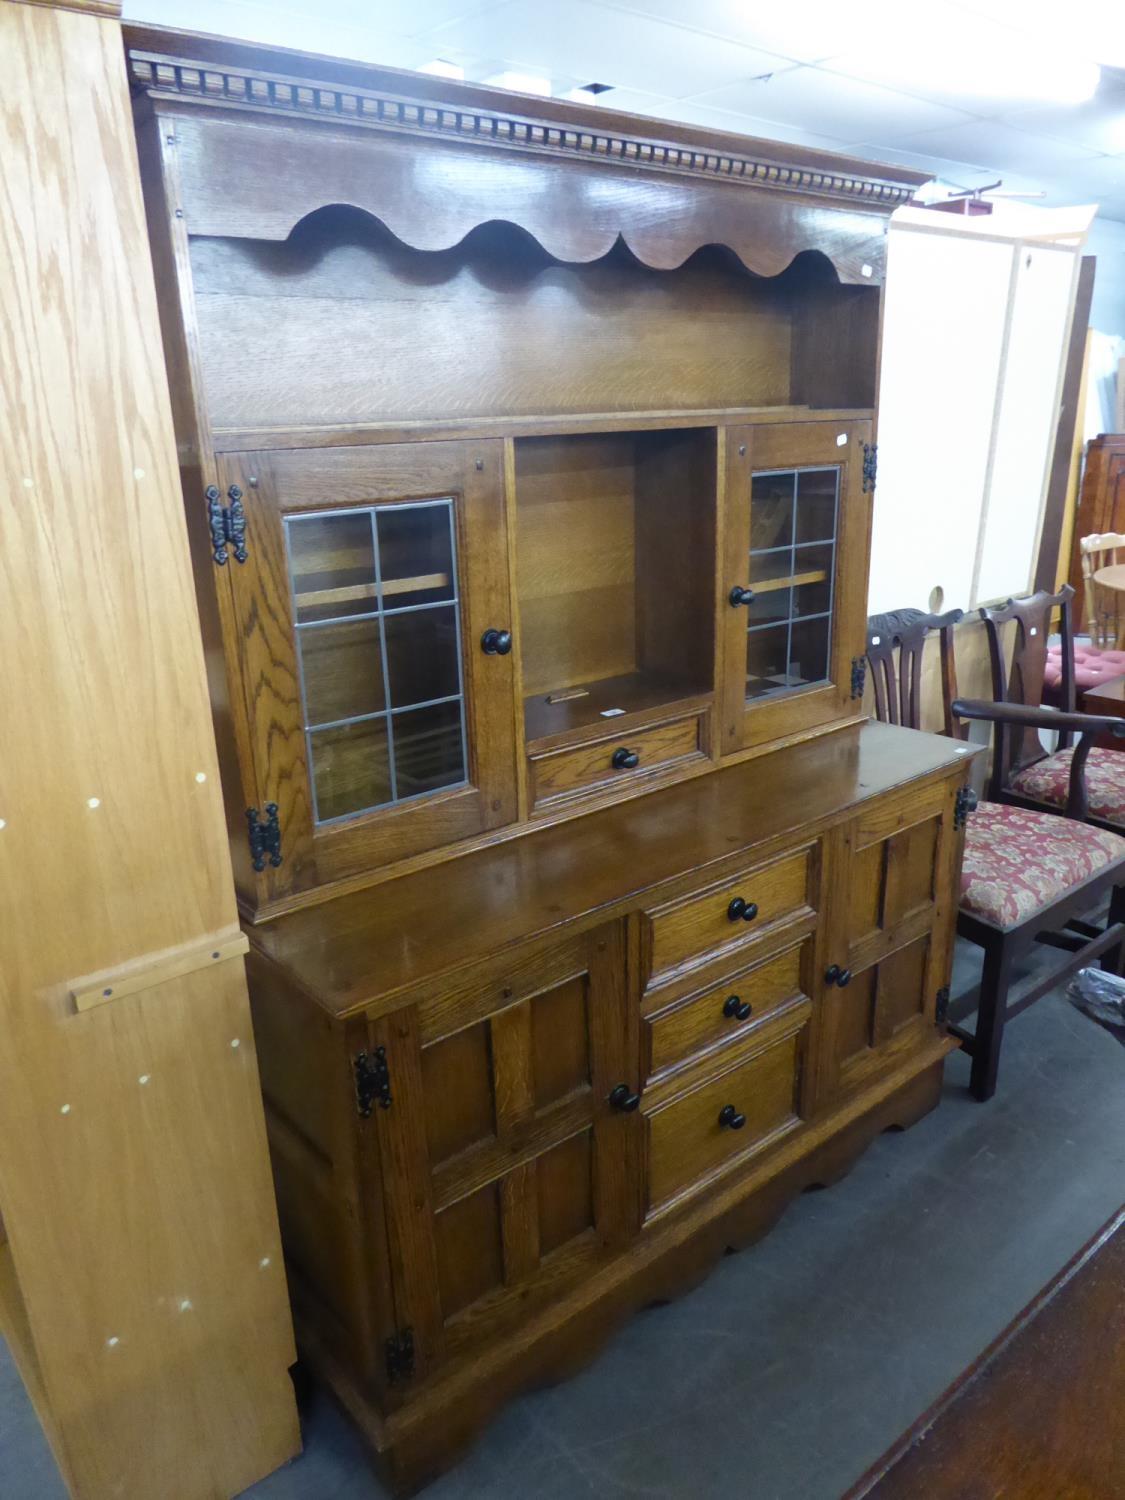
column 1041, row 1414
column 1106, row 698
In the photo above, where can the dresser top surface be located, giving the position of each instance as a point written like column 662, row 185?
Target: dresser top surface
column 347, row 951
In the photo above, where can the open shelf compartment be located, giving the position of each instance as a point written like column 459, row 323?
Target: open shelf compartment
column 615, row 539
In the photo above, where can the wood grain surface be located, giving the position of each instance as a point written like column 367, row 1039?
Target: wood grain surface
column 143, row 1282
column 1038, row 1416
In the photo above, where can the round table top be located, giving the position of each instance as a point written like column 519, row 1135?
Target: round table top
column 1112, row 577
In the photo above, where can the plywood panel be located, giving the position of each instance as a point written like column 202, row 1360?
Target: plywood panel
column 133, row 1169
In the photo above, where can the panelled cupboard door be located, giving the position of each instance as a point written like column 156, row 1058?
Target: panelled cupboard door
column 793, row 577
column 892, row 907
column 379, row 723
column 506, row 1171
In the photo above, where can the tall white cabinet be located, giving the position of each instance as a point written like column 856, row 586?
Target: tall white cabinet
column 976, row 325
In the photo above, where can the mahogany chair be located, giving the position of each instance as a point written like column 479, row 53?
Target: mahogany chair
column 1028, row 876
column 1081, row 781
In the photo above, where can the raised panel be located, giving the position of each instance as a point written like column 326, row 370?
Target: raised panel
column 900, row 993
column 457, row 1078
column 469, row 1249
column 911, row 873
column 566, row 1191
column 560, row 1041
column 865, row 891
column 854, row 1015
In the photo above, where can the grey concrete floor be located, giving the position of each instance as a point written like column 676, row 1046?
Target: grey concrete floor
column 798, row 1361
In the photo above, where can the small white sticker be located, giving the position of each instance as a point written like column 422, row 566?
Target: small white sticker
column 876, row 640
column 1033, row 631
column 611, row 713
column 865, row 270
column 841, row 440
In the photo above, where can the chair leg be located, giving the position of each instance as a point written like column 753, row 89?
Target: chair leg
column 991, row 1016
column 1113, row 958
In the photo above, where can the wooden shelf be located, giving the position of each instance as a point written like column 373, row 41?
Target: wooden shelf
column 792, row 580
column 352, row 592
column 575, row 718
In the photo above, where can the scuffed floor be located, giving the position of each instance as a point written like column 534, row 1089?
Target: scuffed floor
column 798, row 1361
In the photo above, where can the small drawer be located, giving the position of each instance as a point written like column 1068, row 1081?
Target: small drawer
column 729, row 1115
column 731, row 912
column 616, row 761
column 724, row 1011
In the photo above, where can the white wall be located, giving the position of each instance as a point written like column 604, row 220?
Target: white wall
column 1107, row 241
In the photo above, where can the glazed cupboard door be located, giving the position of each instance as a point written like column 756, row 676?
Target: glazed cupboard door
column 373, row 613
column 892, row 905
column 793, row 576
column 506, row 1156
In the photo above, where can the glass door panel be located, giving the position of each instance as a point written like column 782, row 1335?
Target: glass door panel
column 792, row 569
column 792, row 605
column 381, row 683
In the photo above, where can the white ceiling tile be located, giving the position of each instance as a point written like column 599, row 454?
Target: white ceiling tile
column 689, row 112
column 987, row 143
column 306, row 27
column 597, row 44
column 1099, row 124
column 832, row 105
column 805, row 32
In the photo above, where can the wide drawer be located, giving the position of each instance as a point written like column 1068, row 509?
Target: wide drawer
column 614, row 761
column 729, row 913
column 732, row 1113
column 724, row 1011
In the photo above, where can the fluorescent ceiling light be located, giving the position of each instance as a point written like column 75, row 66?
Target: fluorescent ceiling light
column 1083, row 28
column 442, row 69
column 521, row 83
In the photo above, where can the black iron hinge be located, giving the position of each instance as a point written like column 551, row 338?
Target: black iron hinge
column 966, row 803
column 941, row 1005
column 372, row 1081
column 227, row 523
column 870, row 465
column 399, row 1351
column 859, row 675
column 265, row 836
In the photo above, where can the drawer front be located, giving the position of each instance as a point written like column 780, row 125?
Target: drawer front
column 559, row 773
column 709, row 921
column 724, row 1011
column 697, row 1133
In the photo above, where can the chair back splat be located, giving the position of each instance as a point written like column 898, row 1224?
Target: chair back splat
column 897, row 685
column 1015, row 746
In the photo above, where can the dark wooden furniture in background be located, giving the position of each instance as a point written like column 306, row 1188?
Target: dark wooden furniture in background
column 1101, row 502
column 528, row 456
column 1038, row 1415
column 1027, row 876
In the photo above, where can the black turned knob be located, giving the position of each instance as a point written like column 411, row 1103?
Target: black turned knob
column 622, row 1099
column 736, row 1009
column 832, row 973
column 739, row 596
column 742, row 911
column 730, row 1119
column 844, row 978
column 624, row 760
column 496, row 642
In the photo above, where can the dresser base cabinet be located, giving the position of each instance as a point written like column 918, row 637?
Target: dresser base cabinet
column 492, row 1141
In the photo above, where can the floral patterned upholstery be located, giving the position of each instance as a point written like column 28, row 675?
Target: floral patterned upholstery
column 1017, row 861
column 1049, row 781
